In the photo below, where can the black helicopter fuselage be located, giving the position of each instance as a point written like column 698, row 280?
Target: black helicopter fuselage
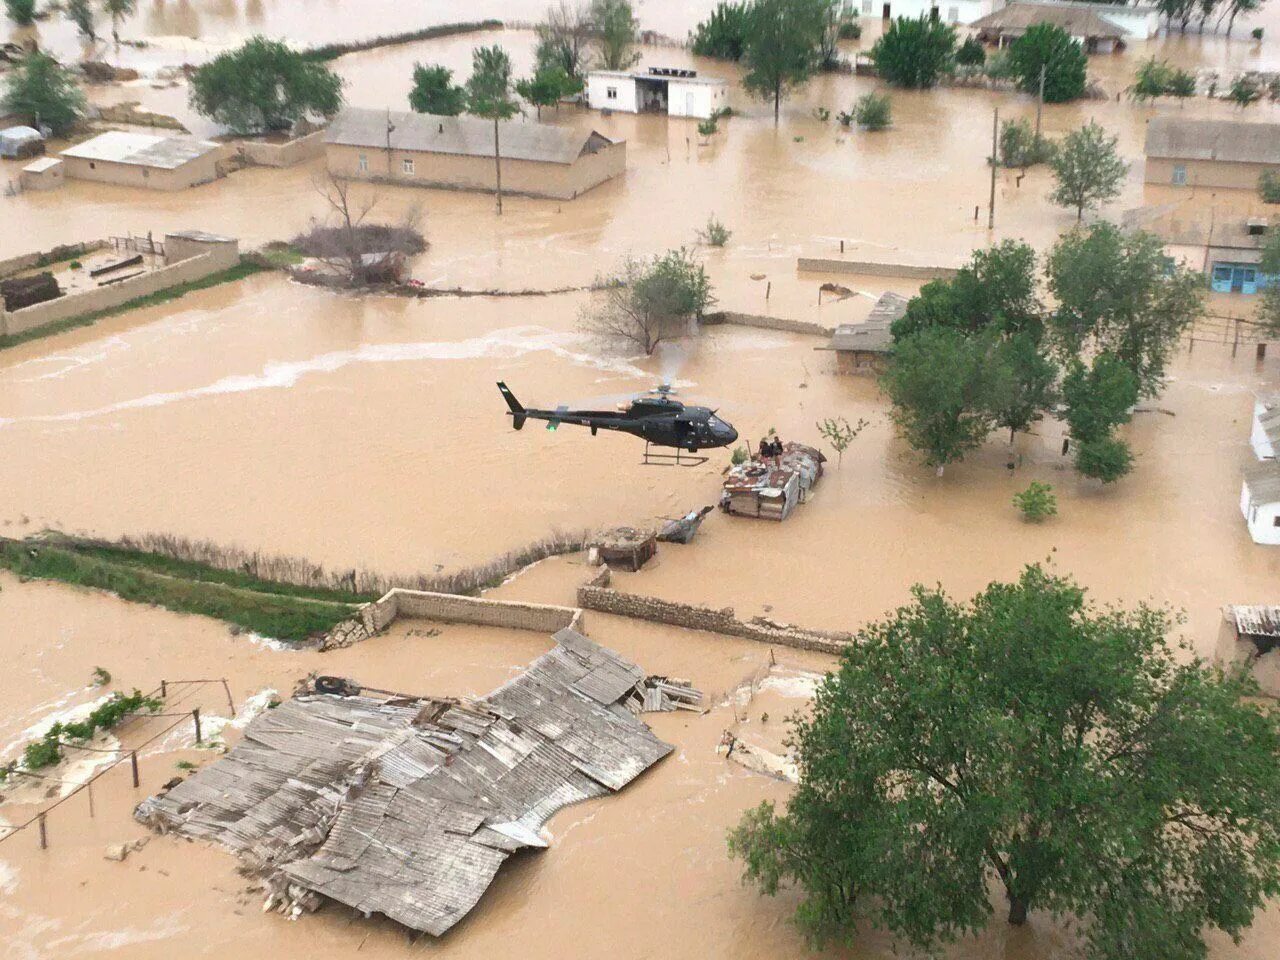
column 660, row 420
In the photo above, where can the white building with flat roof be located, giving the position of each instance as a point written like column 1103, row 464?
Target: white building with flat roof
column 143, row 160
column 1136, row 20
column 675, row 92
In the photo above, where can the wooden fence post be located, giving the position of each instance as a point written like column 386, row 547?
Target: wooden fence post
column 44, row 837
column 133, row 763
column 195, row 715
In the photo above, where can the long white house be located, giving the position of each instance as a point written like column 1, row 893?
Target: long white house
column 669, row 90
column 1137, row 21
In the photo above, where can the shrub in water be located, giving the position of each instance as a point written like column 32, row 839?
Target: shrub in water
column 715, row 233
column 873, row 111
column 1037, row 502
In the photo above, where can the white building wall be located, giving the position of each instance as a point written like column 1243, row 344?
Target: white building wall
column 949, row 11
column 1263, row 449
column 699, row 100
column 610, row 91
column 1262, row 518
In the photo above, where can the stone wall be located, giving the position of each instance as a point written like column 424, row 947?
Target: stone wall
column 454, row 608
column 766, row 323
column 221, row 257
column 260, row 153
column 58, row 254
column 873, row 269
column 597, row 595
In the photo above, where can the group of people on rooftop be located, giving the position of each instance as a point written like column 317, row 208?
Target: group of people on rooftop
column 770, row 448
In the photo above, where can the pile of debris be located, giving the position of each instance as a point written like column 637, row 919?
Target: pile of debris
column 407, row 806
column 772, row 487
column 20, row 292
column 682, row 530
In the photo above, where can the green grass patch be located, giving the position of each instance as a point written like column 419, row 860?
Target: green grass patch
column 245, row 268
column 270, row 610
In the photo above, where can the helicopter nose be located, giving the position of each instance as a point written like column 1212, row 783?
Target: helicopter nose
column 726, row 434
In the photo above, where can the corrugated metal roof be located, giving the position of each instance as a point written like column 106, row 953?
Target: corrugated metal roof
column 1016, row 18
column 460, row 136
column 1256, row 620
column 141, row 149
column 873, row 334
column 1263, row 481
column 1229, row 141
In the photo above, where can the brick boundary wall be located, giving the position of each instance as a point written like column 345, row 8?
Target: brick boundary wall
column 765, row 323
column 596, row 594
column 872, row 269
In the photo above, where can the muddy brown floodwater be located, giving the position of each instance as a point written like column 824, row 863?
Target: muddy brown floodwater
column 366, row 431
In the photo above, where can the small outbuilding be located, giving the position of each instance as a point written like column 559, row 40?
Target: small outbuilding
column 17, row 143
column 1260, row 501
column 1233, row 154
column 864, row 347
column 1265, row 436
column 1082, row 22
column 45, row 173
column 143, row 160
column 669, row 90
column 771, row 488
column 1250, row 638
column 421, row 149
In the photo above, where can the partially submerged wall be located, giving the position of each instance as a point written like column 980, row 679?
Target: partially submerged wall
column 871, row 268
column 44, row 257
column 262, row 153
column 596, row 594
column 765, row 323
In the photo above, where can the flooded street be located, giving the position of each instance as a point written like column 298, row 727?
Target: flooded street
column 367, row 432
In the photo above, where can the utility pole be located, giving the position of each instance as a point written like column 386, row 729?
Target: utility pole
column 1040, row 102
column 995, row 136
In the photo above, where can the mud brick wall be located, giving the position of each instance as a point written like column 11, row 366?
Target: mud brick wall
column 765, row 323
column 594, row 596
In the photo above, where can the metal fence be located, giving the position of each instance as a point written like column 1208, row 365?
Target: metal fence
column 183, row 691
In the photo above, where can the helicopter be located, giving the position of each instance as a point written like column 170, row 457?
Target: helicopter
column 656, row 417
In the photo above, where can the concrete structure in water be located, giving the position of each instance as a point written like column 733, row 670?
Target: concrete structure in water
column 1260, row 501
column 675, row 92
column 44, row 174
column 419, row 149
column 1210, row 153
column 143, row 160
column 864, row 347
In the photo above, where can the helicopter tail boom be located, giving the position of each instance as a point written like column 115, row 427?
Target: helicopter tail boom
column 518, row 413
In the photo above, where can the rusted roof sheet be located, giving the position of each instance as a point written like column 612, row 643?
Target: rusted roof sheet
column 1255, row 621
column 367, row 801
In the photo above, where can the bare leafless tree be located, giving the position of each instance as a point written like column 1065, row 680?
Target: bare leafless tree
column 344, row 240
column 564, row 37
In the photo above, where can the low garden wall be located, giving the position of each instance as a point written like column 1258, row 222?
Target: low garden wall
column 596, row 594
column 220, row 257
column 765, row 323
column 57, row 255
column 873, row 269
column 455, row 608
column 261, row 153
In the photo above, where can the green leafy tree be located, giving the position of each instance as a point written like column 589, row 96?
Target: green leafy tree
column 782, row 48
column 840, row 433
column 564, row 37
column 971, row 53
column 914, row 53
column 1036, row 503
column 1152, row 80
column 547, row 86
column 1031, row 740
column 1048, row 45
column 1030, row 379
column 21, row 12
column 80, row 12
column 1268, row 312
column 264, row 85
column 1097, row 398
column 995, row 290
column 1244, row 91
column 489, row 95
column 945, row 390
column 1119, row 292
column 723, row 35
column 1182, row 84
column 1269, row 187
column 41, row 91
column 647, row 301
column 1106, row 459
column 1020, row 147
column 873, row 111
column 435, row 92
column 119, row 11
column 1088, row 170
column 614, row 25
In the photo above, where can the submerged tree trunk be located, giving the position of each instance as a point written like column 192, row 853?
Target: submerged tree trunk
column 1018, row 907
column 497, row 163
column 777, row 102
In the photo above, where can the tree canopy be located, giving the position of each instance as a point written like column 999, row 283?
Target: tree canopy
column 723, row 35
column 1048, row 45
column 782, row 49
column 614, row 26
column 547, row 86
column 1030, row 739
column 40, row 90
column 647, row 301
column 435, row 92
column 1087, row 168
column 490, row 95
column 915, row 53
column 21, row 12
column 262, row 86
column 563, row 38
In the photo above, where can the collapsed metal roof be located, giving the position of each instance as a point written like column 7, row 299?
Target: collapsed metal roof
column 1255, row 620
column 408, row 806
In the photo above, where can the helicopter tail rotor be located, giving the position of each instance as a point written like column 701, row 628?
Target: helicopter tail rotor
column 518, row 412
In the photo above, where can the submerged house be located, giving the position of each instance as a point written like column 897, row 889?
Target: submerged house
column 143, row 160
column 1134, row 20
column 1210, row 153
column 669, row 90
column 864, row 347
column 421, row 149
column 1260, row 501
column 408, row 805
column 1095, row 31
column 1230, row 248
column 1265, row 436
column 772, row 489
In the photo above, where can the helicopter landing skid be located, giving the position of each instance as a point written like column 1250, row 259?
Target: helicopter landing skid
column 652, row 459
